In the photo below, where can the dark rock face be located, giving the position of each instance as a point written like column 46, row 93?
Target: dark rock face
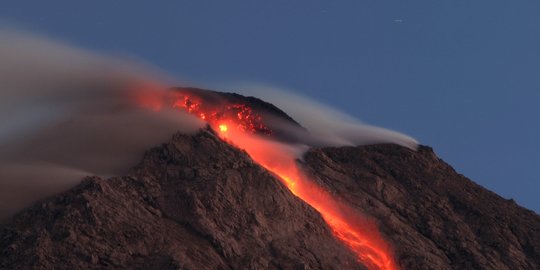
column 193, row 203
column 434, row 217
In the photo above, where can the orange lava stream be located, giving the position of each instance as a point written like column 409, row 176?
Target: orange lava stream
column 238, row 124
column 358, row 233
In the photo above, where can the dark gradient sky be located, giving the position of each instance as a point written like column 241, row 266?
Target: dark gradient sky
column 461, row 76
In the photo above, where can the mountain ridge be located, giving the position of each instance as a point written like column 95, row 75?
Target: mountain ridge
column 458, row 222
column 197, row 202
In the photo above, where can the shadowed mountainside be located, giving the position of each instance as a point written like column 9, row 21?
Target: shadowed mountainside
column 193, row 203
column 434, row 217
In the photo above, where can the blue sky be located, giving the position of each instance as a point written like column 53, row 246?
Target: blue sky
column 460, row 76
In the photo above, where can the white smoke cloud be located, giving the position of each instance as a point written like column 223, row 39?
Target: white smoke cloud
column 326, row 126
column 66, row 113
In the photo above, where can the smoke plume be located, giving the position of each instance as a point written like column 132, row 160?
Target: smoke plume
column 66, row 113
column 326, row 126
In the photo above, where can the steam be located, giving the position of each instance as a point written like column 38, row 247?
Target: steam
column 326, row 126
column 66, row 113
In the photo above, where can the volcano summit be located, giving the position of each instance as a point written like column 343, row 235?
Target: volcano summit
column 254, row 190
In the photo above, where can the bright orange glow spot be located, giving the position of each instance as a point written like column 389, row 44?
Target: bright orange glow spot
column 223, row 128
column 357, row 232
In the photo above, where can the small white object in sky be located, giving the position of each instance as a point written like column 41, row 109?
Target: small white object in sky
column 398, row 20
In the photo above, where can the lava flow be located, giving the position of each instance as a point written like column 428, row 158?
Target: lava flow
column 239, row 125
column 359, row 234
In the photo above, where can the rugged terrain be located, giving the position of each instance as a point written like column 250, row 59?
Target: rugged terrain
column 434, row 217
column 196, row 202
column 193, row 203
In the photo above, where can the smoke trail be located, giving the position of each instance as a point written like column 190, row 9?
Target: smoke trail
column 67, row 112
column 326, row 126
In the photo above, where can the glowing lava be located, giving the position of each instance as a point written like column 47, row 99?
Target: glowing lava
column 357, row 232
column 240, row 125
column 222, row 127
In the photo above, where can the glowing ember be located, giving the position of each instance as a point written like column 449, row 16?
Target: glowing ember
column 240, row 116
column 223, row 128
column 238, row 124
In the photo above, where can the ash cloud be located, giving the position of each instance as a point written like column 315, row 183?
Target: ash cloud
column 66, row 113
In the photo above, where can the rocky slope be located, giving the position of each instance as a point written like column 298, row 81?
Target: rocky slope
column 434, row 217
column 193, row 203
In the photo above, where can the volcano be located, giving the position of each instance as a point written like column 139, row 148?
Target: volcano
column 235, row 196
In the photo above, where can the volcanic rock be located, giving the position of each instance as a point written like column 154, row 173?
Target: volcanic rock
column 434, row 217
column 193, row 203
column 198, row 203
column 274, row 121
